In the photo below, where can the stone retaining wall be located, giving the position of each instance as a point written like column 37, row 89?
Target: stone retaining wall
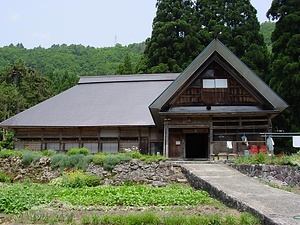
column 278, row 175
column 135, row 171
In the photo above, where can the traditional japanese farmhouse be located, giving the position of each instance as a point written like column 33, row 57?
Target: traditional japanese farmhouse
column 208, row 109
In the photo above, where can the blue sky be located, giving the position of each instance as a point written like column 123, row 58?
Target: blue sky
column 97, row 23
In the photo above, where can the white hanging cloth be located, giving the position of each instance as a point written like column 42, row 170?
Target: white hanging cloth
column 229, row 144
column 296, row 141
column 270, row 144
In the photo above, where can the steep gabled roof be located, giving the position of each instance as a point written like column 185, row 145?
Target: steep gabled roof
column 263, row 91
column 98, row 101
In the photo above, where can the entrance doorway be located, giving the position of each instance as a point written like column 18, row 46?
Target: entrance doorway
column 196, row 145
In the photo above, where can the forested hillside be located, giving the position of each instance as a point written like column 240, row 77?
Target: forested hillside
column 72, row 59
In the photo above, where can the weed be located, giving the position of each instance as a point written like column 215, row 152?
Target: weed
column 5, row 153
column 4, row 178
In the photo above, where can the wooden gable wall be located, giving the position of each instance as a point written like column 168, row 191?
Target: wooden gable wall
column 196, row 94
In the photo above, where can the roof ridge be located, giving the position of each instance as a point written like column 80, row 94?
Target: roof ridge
column 127, row 78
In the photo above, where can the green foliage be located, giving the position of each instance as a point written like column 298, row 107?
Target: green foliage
column 98, row 158
column 77, row 161
column 261, row 158
column 21, row 197
column 64, row 62
column 111, row 160
column 285, row 73
column 42, row 217
column 76, row 179
column 4, row 178
column 266, row 29
column 75, row 151
column 182, row 29
column 48, row 153
column 8, row 142
column 5, row 153
column 125, row 67
column 18, row 198
column 29, row 157
column 24, row 86
column 137, row 195
column 151, row 218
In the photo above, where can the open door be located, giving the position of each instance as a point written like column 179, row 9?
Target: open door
column 196, row 145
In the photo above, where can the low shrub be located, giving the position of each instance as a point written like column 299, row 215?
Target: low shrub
column 99, row 158
column 5, row 153
column 111, row 160
column 74, row 151
column 84, row 162
column 76, row 179
column 4, row 178
column 48, row 153
column 77, row 161
column 58, row 161
column 29, row 157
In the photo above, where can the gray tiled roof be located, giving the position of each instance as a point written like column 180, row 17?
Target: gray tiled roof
column 98, row 101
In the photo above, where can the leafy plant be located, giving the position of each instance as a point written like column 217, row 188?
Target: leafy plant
column 4, row 178
column 74, row 151
column 48, row 153
column 98, row 159
column 76, row 179
column 5, row 153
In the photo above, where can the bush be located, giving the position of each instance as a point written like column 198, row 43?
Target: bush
column 74, row 151
column 111, row 160
column 29, row 157
column 77, row 161
column 77, row 179
column 4, row 178
column 57, row 161
column 99, row 158
column 5, row 153
column 48, row 153
column 84, row 162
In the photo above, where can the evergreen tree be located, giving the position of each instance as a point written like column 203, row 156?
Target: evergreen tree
column 182, row 28
column 174, row 42
column 22, row 87
column 125, row 67
column 285, row 76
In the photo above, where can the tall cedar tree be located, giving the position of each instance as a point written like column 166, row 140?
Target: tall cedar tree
column 285, row 66
column 182, row 28
column 21, row 88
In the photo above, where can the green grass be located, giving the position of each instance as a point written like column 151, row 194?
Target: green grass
column 139, row 218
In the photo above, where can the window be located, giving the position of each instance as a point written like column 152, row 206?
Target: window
column 110, row 147
column 93, row 147
column 215, row 83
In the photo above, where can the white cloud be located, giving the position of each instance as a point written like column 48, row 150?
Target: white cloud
column 13, row 17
